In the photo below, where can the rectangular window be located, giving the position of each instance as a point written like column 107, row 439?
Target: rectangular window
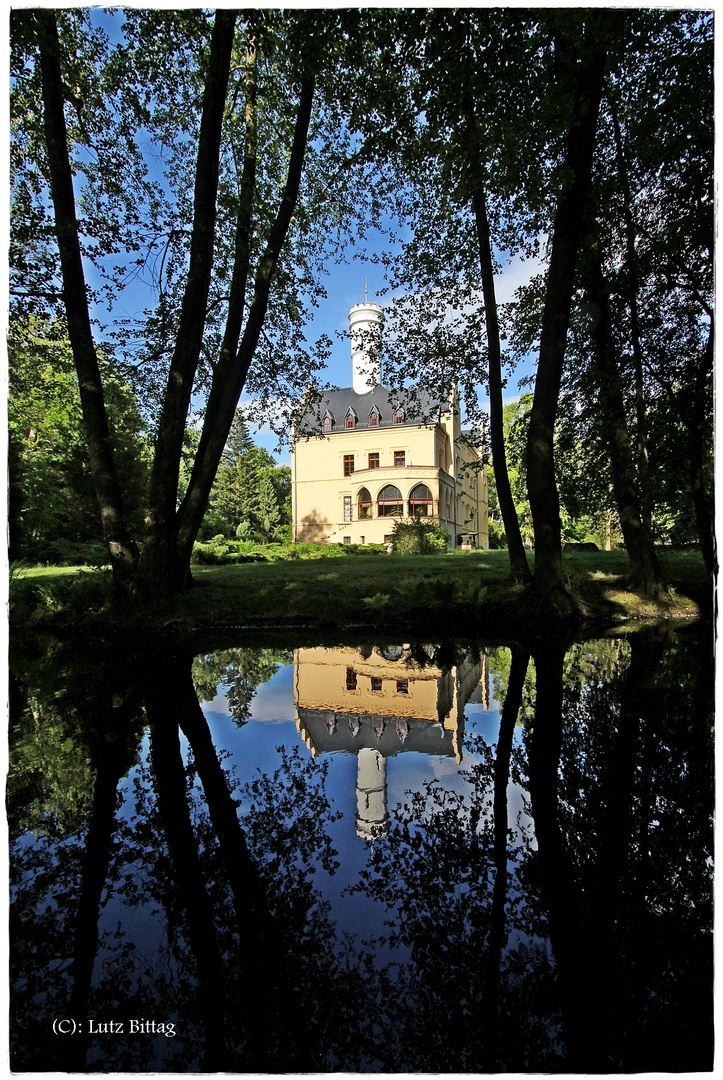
column 376, row 682
column 400, row 458
column 374, row 461
column 373, row 420
column 347, row 508
column 362, row 540
column 350, row 678
column 388, row 538
column 402, row 686
column 347, row 539
column 348, row 464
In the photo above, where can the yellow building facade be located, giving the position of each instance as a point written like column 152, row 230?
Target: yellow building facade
column 362, row 459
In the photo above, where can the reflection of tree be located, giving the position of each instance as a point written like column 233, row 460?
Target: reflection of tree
column 189, row 882
column 498, row 933
column 624, row 852
column 238, row 943
column 57, row 692
column 239, row 672
column 468, row 1003
column 260, row 975
column 617, row 874
column 74, row 732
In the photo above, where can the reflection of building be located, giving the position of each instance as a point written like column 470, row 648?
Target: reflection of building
column 377, row 704
column 361, row 459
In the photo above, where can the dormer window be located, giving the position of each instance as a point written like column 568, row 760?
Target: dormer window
column 374, row 417
column 350, row 421
column 327, row 422
column 399, row 416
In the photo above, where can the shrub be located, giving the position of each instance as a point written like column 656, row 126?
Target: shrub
column 222, row 550
column 417, row 537
column 498, row 538
column 81, row 593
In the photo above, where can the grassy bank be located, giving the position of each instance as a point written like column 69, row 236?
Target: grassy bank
column 454, row 591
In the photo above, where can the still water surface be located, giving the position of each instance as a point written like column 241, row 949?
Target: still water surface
column 378, row 858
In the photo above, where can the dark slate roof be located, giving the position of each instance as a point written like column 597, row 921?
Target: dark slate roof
column 420, row 407
column 424, row 736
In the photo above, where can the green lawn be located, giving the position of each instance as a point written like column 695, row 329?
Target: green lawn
column 453, row 591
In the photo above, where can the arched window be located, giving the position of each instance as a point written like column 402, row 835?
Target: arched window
column 365, row 504
column 374, row 417
column 350, row 420
column 420, row 501
column 390, row 502
column 399, row 416
column 326, row 427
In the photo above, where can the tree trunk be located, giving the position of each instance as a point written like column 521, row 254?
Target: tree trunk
column 702, row 500
column 645, row 573
column 123, row 551
column 160, row 573
column 632, row 281
column 549, row 596
column 234, row 364
column 519, row 569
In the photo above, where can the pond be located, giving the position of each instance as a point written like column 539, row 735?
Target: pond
column 363, row 857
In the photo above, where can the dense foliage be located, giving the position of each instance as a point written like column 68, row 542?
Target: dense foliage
column 52, row 510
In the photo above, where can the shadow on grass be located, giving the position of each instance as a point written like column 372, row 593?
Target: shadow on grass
column 451, row 593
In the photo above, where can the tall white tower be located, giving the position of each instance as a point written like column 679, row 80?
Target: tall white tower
column 365, row 324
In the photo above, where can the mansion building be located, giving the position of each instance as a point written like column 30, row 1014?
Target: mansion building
column 380, row 703
column 362, row 459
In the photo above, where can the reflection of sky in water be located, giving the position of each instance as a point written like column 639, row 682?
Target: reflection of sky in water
column 254, row 747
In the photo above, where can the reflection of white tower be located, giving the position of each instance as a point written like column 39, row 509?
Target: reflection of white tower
column 372, row 819
column 365, row 324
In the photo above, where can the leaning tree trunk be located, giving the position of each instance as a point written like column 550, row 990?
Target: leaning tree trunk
column 645, row 573
column 121, row 547
column 235, row 359
column 519, row 569
column 160, row 573
column 549, row 596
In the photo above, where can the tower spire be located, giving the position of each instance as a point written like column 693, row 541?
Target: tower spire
column 366, row 294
